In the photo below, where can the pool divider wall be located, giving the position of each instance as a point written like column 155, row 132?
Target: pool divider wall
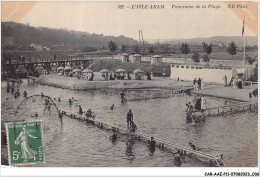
column 227, row 110
column 143, row 137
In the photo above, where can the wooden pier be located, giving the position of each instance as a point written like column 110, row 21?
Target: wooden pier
column 30, row 64
column 162, row 144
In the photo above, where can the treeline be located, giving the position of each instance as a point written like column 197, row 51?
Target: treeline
column 74, row 40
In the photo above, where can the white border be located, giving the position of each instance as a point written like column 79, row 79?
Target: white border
column 131, row 171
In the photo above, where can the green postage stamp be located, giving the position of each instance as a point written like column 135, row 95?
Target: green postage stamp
column 25, row 143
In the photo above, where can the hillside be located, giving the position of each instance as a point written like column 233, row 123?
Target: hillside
column 24, row 34
column 250, row 40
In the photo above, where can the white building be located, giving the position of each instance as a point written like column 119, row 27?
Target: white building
column 207, row 73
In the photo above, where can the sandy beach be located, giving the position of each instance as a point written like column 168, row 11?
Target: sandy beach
column 83, row 84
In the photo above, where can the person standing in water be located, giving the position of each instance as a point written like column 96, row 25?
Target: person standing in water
column 122, row 95
column 129, row 117
column 80, row 110
column 25, row 94
column 152, row 145
column 133, row 127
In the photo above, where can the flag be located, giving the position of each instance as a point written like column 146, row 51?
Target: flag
column 243, row 28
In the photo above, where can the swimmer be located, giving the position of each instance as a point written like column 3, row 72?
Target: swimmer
column 89, row 114
column 18, row 92
column 122, row 95
column 133, row 127
column 193, row 146
column 178, row 159
column 112, row 107
column 24, row 94
column 114, row 136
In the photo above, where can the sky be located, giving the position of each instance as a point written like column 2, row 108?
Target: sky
column 106, row 18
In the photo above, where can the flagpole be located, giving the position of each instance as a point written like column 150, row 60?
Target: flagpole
column 244, row 53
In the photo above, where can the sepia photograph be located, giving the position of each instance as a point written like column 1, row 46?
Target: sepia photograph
column 129, row 84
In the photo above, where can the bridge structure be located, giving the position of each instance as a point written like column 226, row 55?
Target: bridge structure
column 30, row 64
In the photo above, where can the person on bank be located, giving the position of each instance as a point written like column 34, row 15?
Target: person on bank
column 225, row 80
column 129, row 117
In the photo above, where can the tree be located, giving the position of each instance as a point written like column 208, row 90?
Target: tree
column 205, row 58
column 136, row 48
column 165, row 48
column 151, row 50
column 251, row 60
column 112, row 47
column 232, row 48
column 185, row 49
column 207, row 48
column 123, row 48
column 196, row 57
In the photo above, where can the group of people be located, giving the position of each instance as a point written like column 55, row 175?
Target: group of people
column 198, row 84
column 89, row 78
column 199, row 105
column 14, row 92
column 236, row 82
column 88, row 114
column 118, row 76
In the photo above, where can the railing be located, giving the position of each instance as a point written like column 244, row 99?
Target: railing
column 44, row 60
column 231, row 109
column 153, row 94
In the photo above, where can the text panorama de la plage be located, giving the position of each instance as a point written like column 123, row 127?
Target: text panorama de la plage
column 173, row 6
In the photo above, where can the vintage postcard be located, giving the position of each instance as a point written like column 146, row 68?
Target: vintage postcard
column 130, row 83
